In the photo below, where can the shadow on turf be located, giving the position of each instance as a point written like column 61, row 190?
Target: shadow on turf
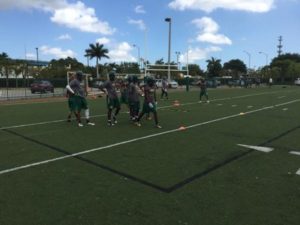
column 149, row 184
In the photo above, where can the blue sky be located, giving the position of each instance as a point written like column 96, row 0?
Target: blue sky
column 224, row 29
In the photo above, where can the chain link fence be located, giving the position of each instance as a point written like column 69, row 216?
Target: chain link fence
column 20, row 88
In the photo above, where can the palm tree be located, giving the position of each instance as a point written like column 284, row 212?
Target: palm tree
column 3, row 56
column 5, row 63
column 97, row 50
column 214, row 67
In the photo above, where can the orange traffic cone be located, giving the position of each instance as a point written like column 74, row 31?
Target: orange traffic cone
column 176, row 103
column 182, row 128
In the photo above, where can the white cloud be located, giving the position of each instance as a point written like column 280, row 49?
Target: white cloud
column 140, row 23
column 139, row 9
column 103, row 41
column 208, row 32
column 196, row 54
column 64, row 37
column 122, row 53
column 80, row 17
column 72, row 15
column 216, row 39
column 258, row 6
column 206, row 25
column 45, row 5
column 30, row 56
column 56, row 52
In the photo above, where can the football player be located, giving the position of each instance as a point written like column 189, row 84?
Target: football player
column 164, row 88
column 78, row 97
column 203, row 90
column 150, row 103
column 112, row 100
column 134, row 93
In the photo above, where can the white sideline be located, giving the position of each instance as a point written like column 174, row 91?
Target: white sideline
column 257, row 148
column 138, row 139
column 169, row 106
column 294, row 153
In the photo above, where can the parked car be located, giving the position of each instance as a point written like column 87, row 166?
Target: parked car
column 158, row 83
column 171, row 84
column 297, row 81
column 41, row 86
column 97, row 84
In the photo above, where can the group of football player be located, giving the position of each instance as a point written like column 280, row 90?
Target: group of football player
column 130, row 92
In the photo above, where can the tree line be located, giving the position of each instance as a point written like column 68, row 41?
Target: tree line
column 285, row 67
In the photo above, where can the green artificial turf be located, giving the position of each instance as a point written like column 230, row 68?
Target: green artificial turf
column 144, row 175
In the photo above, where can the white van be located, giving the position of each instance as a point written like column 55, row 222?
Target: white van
column 297, row 81
column 171, row 84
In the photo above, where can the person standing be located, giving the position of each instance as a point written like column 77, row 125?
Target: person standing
column 112, row 100
column 270, row 82
column 134, row 93
column 150, row 103
column 78, row 98
column 71, row 100
column 203, row 90
column 164, row 88
column 123, row 85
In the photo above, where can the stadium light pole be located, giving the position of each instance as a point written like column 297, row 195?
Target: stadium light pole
column 139, row 57
column 267, row 57
column 37, row 56
column 249, row 59
column 177, row 54
column 168, row 19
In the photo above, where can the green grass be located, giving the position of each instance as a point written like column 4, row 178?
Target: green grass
column 196, row 176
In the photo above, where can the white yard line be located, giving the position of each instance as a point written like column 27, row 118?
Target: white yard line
column 257, row 148
column 134, row 140
column 295, row 153
column 163, row 107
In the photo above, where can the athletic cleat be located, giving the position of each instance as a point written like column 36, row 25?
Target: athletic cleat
column 149, row 118
column 91, row 124
column 207, row 101
column 138, row 124
column 200, row 101
column 157, row 126
column 110, row 124
column 115, row 120
column 80, row 125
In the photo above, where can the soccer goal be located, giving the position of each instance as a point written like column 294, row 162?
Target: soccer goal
column 162, row 67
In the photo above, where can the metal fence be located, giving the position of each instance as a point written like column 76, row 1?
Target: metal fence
column 13, row 89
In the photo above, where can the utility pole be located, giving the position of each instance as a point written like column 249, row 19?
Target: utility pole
column 37, row 56
column 177, row 54
column 139, row 56
column 279, row 46
column 169, row 48
column 249, row 59
column 266, row 55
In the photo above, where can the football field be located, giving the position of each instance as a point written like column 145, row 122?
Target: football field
column 235, row 161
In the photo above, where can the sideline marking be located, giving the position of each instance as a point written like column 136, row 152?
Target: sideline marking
column 294, row 153
column 258, row 148
column 135, row 139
